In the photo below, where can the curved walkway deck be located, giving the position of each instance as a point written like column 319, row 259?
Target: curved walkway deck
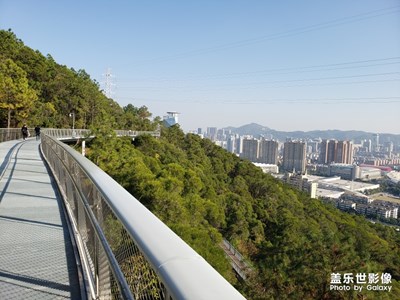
column 36, row 256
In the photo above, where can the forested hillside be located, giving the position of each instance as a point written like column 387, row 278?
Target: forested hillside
column 34, row 89
column 293, row 243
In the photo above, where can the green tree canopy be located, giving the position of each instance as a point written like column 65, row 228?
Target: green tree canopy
column 16, row 96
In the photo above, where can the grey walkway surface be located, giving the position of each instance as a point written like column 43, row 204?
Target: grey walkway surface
column 36, row 257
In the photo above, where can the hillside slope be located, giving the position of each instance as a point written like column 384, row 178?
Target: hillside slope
column 294, row 243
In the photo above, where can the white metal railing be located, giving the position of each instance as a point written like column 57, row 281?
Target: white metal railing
column 68, row 134
column 127, row 252
column 7, row 134
column 63, row 134
column 133, row 133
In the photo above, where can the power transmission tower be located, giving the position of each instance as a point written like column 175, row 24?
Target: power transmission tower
column 108, row 84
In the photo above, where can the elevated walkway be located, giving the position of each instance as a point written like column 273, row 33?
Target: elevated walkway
column 125, row 251
column 36, row 255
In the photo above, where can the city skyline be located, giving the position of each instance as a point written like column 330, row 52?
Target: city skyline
column 288, row 66
column 203, row 129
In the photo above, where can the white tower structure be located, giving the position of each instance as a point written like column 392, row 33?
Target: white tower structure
column 108, row 84
column 375, row 142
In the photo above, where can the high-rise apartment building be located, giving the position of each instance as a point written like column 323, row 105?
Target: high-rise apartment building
column 268, row 152
column 375, row 142
column 230, row 144
column 212, row 133
column 336, row 151
column 323, row 152
column 344, row 152
column 250, row 149
column 332, row 148
column 367, row 144
column 239, row 145
column 221, row 135
column 388, row 148
column 294, row 156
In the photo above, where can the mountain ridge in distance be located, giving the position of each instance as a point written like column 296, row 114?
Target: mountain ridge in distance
column 258, row 130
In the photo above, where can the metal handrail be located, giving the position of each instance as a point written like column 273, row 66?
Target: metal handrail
column 154, row 261
column 62, row 134
column 9, row 134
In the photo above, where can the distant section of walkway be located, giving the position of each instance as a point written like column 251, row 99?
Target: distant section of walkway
column 36, row 256
column 238, row 262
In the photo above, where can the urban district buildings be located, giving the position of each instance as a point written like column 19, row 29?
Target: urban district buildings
column 299, row 162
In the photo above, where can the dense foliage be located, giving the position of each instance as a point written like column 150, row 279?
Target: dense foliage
column 293, row 242
column 391, row 188
column 34, row 89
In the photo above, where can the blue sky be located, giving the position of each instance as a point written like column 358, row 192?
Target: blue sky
column 288, row 65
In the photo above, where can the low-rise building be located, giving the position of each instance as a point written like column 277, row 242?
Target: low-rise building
column 382, row 211
column 346, row 205
column 377, row 209
column 367, row 173
column 394, row 176
column 345, row 171
column 301, row 182
column 268, row 168
column 356, row 197
column 361, row 209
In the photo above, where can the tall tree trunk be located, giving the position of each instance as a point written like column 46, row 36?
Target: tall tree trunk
column 9, row 118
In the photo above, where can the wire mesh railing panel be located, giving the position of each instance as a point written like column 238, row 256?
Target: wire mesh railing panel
column 88, row 209
column 140, row 276
column 109, row 287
